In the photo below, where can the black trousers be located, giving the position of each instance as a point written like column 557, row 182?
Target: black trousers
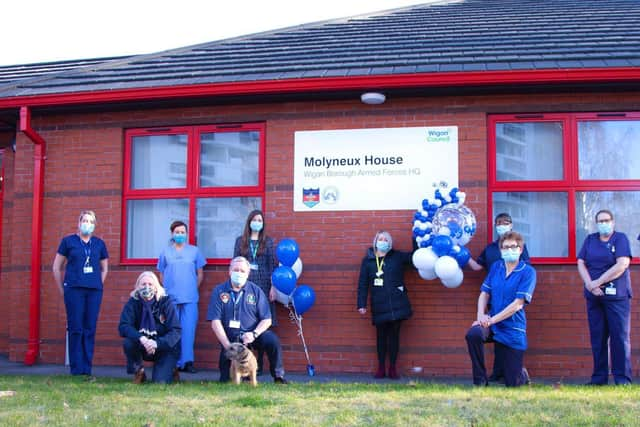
column 163, row 361
column 511, row 359
column 388, row 340
column 269, row 343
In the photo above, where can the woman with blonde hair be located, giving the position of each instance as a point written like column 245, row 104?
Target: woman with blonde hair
column 151, row 331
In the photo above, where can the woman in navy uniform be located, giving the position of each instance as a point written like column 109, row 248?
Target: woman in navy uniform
column 382, row 273
column 258, row 249
column 603, row 265
column 151, row 331
column 507, row 288
column 86, row 264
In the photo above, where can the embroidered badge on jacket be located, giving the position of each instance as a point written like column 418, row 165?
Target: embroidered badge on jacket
column 251, row 299
column 224, row 297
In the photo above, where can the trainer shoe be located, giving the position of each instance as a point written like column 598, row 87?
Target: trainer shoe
column 280, row 380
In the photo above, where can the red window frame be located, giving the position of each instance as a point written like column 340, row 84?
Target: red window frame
column 569, row 184
column 192, row 191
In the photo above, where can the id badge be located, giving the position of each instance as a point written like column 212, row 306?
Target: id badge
column 253, row 267
column 610, row 290
column 378, row 282
column 234, row 324
column 88, row 269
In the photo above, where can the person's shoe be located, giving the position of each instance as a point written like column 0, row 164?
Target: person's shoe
column 496, row 378
column 379, row 373
column 280, row 380
column 393, row 374
column 189, row 368
column 139, row 377
column 176, row 375
column 481, row 384
column 526, row 379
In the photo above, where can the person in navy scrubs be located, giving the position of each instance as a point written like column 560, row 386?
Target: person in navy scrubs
column 491, row 253
column 239, row 312
column 603, row 265
column 85, row 261
column 180, row 265
column 507, row 289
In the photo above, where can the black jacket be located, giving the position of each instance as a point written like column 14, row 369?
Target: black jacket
column 390, row 301
column 164, row 313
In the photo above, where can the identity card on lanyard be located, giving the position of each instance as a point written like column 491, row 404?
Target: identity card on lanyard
column 87, row 269
column 378, row 280
column 235, row 323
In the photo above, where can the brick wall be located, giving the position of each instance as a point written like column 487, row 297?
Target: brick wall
column 84, row 170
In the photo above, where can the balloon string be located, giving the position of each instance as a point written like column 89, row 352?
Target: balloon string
column 293, row 315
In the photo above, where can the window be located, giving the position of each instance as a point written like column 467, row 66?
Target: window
column 553, row 172
column 210, row 177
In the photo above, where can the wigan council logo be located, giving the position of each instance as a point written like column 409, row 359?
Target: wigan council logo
column 310, row 196
column 330, row 195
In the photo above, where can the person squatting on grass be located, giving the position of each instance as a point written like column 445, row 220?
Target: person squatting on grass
column 508, row 288
column 151, row 331
column 382, row 273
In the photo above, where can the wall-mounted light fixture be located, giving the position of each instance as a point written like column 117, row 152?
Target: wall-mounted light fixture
column 373, row 98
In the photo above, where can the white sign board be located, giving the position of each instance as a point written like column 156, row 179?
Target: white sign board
column 372, row 169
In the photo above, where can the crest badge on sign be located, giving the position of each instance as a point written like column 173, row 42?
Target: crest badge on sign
column 310, row 196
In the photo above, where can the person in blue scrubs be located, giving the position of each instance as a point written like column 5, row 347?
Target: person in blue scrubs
column 491, row 253
column 603, row 265
column 507, row 288
column 85, row 260
column 181, row 271
column 239, row 312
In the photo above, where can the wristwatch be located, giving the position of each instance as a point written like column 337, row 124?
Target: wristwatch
column 255, row 335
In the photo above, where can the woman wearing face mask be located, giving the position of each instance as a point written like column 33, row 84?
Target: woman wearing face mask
column 86, row 264
column 382, row 274
column 258, row 248
column 506, row 290
column 180, row 265
column 151, row 331
column 603, row 265
column 503, row 224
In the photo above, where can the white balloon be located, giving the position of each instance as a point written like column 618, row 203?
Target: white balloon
column 462, row 196
column 282, row 298
column 427, row 274
column 417, row 223
column 423, row 226
column 444, row 231
column 455, row 281
column 462, row 241
column 446, row 267
column 297, row 267
column 424, row 259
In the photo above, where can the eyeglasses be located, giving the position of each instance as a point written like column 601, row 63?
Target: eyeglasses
column 604, row 221
column 511, row 247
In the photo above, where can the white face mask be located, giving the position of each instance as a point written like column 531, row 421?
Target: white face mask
column 239, row 278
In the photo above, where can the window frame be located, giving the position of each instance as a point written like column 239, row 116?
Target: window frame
column 569, row 184
column 192, row 191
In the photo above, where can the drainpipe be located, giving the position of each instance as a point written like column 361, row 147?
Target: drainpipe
column 33, row 345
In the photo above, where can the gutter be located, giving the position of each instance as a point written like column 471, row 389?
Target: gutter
column 33, row 344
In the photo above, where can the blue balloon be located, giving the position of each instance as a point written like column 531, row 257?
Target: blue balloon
column 303, row 298
column 442, row 245
column 284, row 279
column 287, row 252
column 462, row 256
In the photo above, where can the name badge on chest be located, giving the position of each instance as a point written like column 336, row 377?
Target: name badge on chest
column 378, row 282
column 87, row 269
column 253, row 267
column 234, row 324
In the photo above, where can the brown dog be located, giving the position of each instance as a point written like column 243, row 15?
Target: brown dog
column 243, row 363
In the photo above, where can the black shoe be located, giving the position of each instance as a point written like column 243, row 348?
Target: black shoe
column 280, row 380
column 188, row 367
column 496, row 378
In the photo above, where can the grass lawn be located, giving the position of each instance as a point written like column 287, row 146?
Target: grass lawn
column 63, row 400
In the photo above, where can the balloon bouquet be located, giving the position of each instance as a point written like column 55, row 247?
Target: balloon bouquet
column 442, row 228
column 298, row 299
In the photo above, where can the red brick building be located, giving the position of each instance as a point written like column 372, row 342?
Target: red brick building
column 545, row 96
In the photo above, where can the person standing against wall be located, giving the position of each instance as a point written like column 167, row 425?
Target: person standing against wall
column 382, row 274
column 181, row 272
column 603, row 265
column 258, row 248
column 85, row 260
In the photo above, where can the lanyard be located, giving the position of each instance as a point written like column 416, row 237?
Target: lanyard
column 254, row 248
column 86, row 247
column 379, row 263
column 235, row 302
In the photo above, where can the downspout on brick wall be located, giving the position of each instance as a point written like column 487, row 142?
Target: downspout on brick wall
column 33, row 344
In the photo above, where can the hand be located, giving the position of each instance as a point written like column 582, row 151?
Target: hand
column 362, row 310
column 272, row 294
column 149, row 345
column 484, row 320
column 247, row 338
column 597, row 291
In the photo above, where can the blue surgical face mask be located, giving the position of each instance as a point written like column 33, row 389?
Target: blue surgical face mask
column 239, row 278
column 179, row 238
column 501, row 229
column 510, row 255
column 256, row 226
column 87, row 228
column 605, row 228
column 383, row 245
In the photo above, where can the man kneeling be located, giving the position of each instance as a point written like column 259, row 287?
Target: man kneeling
column 151, row 331
column 508, row 287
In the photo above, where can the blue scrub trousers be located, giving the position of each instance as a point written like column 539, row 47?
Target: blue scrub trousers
column 164, row 362
column 511, row 359
column 188, row 315
column 268, row 342
column 609, row 326
column 82, row 306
